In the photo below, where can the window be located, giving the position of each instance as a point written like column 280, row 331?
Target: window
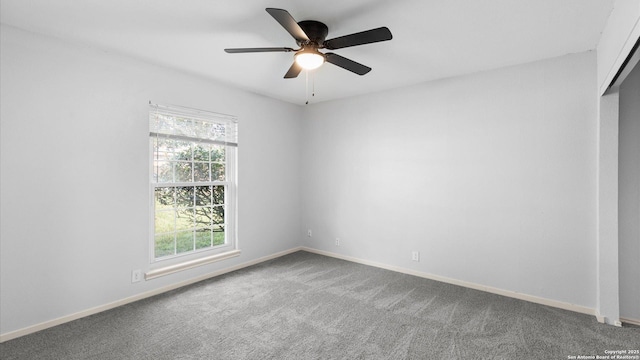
column 193, row 181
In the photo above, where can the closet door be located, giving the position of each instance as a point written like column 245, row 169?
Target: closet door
column 629, row 197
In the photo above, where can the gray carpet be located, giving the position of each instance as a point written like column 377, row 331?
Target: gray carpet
column 307, row 306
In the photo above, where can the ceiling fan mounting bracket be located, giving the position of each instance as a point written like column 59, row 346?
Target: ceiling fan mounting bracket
column 315, row 30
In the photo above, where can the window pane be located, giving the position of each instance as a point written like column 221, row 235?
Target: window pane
column 184, row 241
column 164, row 245
column 204, row 216
column 203, row 195
column 164, row 198
column 217, row 172
column 218, row 195
column 201, row 171
column 162, row 171
column 217, row 216
column 164, row 221
column 203, row 238
column 184, row 219
column 184, row 196
column 201, row 152
column 217, row 153
column 183, row 171
column 218, row 236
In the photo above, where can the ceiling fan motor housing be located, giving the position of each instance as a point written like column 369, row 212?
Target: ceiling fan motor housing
column 315, row 30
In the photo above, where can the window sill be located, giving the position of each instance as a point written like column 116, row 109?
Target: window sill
column 190, row 264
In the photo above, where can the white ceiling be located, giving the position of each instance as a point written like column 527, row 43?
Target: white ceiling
column 432, row 39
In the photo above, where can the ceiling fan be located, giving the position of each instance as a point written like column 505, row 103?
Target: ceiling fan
column 310, row 36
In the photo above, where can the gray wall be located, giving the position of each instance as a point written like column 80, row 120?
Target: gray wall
column 629, row 196
column 491, row 177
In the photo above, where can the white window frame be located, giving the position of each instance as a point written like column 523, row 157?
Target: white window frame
column 177, row 262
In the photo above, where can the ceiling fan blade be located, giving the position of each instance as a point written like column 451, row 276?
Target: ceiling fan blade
column 254, row 50
column 361, row 38
column 294, row 71
column 347, row 64
column 289, row 23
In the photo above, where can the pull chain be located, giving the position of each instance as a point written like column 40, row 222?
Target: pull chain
column 306, row 85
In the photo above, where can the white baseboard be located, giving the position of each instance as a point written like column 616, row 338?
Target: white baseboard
column 605, row 320
column 67, row 318
column 489, row 289
column 630, row 321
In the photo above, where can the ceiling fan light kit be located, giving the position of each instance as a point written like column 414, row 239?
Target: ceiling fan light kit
column 309, row 60
column 310, row 36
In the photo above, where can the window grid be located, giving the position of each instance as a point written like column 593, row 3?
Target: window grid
column 183, row 160
column 168, row 157
column 195, row 227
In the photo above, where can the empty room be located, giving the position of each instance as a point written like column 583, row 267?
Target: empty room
column 363, row 179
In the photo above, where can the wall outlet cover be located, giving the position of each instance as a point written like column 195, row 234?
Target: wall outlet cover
column 415, row 255
column 136, row 275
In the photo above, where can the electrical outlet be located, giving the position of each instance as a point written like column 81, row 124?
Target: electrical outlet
column 309, row 233
column 415, row 255
column 136, row 275
column 337, row 241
